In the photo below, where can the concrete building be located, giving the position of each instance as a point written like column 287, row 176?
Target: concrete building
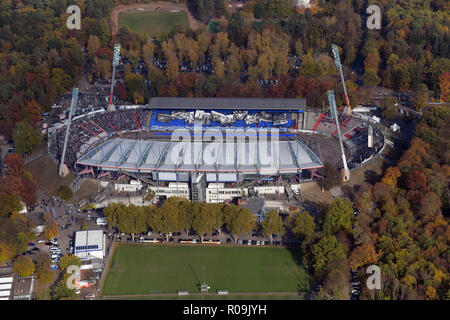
column 218, row 193
column 174, row 189
column 90, row 244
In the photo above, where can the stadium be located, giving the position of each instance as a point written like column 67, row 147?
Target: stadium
column 191, row 143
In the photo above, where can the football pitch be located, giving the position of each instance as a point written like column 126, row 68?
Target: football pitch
column 165, row 269
column 152, row 23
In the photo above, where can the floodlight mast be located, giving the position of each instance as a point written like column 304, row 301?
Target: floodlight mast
column 72, row 110
column 115, row 63
column 333, row 109
column 337, row 60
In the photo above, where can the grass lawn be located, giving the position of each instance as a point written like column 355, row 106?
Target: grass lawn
column 152, row 23
column 141, row 269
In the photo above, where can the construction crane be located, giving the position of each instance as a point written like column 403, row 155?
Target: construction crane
column 337, row 60
column 333, row 109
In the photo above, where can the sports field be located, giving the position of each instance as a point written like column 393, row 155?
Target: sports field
column 155, row 268
column 152, row 23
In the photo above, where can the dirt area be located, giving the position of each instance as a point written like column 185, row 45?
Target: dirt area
column 155, row 6
column 311, row 191
column 45, row 172
column 87, row 189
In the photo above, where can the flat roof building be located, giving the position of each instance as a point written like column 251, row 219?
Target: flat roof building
column 227, row 103
column 90, row 244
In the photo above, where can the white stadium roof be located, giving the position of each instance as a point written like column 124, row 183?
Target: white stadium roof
column 153, row 155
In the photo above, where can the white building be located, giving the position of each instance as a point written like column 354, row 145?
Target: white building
column 90, row 244
column 180, row 189
column 133, row 186
column 217, row 193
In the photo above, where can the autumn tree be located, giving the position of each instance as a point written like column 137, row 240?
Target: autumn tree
column 237, row 220
column 24, row 266
column 363, row 255
column 43, row 271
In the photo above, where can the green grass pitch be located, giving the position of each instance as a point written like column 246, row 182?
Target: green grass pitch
column 142, row 269
column 152, row 23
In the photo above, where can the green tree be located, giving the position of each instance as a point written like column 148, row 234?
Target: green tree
column 272, row 224
column 65, row 193
column 303, row 225
column 326, row 250
column 62, row 291
column 24, row 266
column 69, row 260
column 371, row 78
column 26, row 138
column 339, row 217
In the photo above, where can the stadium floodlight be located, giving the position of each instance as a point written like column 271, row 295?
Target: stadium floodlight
column 73, row 108
column 344, row 160
column 116, row 57
column 115, row 62
column 332, row 102
column 337, row 60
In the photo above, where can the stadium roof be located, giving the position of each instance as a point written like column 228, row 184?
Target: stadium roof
column 227, row 103
column 166, row 156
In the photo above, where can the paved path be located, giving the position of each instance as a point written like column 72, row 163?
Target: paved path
column 162, row 6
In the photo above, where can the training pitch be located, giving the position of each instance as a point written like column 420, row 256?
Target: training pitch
column 152, row 23
column 156, row 268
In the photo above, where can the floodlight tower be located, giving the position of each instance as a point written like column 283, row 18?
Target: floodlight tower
column 337, row 60
column 332, row 101
column 115, row 63
column 63, row 171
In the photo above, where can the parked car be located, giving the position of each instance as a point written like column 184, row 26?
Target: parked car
column 249, row 242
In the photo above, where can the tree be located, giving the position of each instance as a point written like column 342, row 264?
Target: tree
column 237, row 220
column 65, row 193
column 303, row 225
column 371, row 78
column 24, row 266
column 10, row 203
column 132, row 220
column 339, row 216
column 43, row 270
column 444, row 85
column 167, row 219
column 26, row 138
column 421, row 96
column 332, row 176
column 62, row 291
column 272, row 224
column 69, row 260
column 363, row 255
column 309, row 67
column 326, row 250
column 6, row 252
column 202, row 220
column 276, row 8
column 391, row 176
column 258, row 10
